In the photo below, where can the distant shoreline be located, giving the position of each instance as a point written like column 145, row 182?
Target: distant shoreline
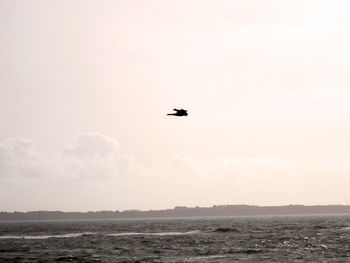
column 181, row 211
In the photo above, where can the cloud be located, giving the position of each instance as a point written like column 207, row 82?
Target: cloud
column 95, row 156
column 184, row 163
column 125, row 164
column 233, row 166
column 92, row 146
column 257, row 165
column 91, row 156
column 20, row 157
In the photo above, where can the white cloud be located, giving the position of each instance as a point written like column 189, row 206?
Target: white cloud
column 184, row 163
column 95, row 156
column 233, row 166
column 20, row 157
column 125, row 164
column 91, row 146
column 258, row 165
column 91, row 156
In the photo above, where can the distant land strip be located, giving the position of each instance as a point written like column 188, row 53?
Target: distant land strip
column 181, row 211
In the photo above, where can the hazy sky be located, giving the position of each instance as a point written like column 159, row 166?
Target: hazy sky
column 85, row 87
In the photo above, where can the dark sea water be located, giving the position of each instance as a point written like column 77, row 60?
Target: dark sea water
column 258, row 239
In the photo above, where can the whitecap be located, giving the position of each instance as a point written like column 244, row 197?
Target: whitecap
column 154, row 233
column 69, row 235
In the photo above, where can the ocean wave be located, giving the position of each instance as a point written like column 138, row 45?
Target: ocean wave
column 69, row 235
column 154, row 234
column 223, row 230
column 72, row 235
column 204, row 258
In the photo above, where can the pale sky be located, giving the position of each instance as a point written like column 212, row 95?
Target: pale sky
column 85, row 87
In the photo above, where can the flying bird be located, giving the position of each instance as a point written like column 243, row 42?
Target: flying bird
column 179, row 113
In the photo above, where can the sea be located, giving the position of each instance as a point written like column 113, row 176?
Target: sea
column 229, row 239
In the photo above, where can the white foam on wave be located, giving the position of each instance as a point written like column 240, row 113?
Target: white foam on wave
column 69, row 235
column 155, row 234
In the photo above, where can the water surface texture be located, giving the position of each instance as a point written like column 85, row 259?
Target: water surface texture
column 265, row 239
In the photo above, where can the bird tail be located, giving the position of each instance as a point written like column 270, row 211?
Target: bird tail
column 171, row 114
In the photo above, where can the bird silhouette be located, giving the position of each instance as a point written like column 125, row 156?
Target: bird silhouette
column 179, row 113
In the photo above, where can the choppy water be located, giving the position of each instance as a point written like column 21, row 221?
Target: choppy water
column 268, row 239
